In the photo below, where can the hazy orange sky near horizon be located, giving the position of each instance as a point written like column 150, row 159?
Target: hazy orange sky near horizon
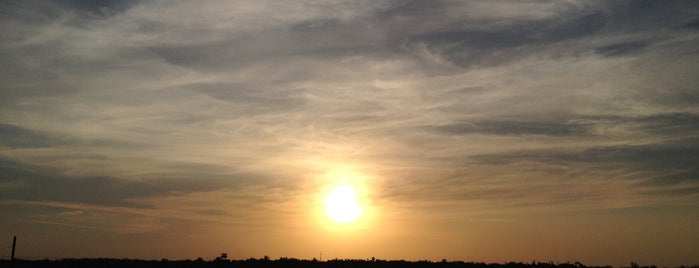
column 485, row 131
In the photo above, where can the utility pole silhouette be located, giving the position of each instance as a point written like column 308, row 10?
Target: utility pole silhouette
column 14, row 242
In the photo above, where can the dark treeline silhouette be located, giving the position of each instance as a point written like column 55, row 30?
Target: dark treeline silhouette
column 288, row 263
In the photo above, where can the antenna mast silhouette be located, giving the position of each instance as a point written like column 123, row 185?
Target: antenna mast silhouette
column 14, row 242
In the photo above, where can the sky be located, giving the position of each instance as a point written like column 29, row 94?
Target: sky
column 486, row 131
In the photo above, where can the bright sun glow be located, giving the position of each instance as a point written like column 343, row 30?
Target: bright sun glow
column 341, row 204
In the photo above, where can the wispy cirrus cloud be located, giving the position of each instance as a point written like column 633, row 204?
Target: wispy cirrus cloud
column 163, row 108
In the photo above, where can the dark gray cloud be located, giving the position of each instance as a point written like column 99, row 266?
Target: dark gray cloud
column 319, row 38
column 255, row 98
column 32, row 182
column 645, row 15
column 515, row 128
column 476, row 39
column 692, row 25
column 657, row 164
column 31, row 185
column 676, row 125
column 99, row 7
column 17, row 137
column 577, row 27
column 467, row 41
column 672, row 124
column 622, row 49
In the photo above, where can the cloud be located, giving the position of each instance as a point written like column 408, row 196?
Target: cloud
column 669, row 163
column 36, row 183
column 622, row 48
column 515, row 128
column 14, row 136
column 692, row 25
column 131, row 108
column 251, row 96
column 671, row 125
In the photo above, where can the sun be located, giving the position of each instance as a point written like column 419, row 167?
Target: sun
column 341, row 205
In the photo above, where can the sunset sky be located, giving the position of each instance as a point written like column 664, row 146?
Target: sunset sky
column 487, row 131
